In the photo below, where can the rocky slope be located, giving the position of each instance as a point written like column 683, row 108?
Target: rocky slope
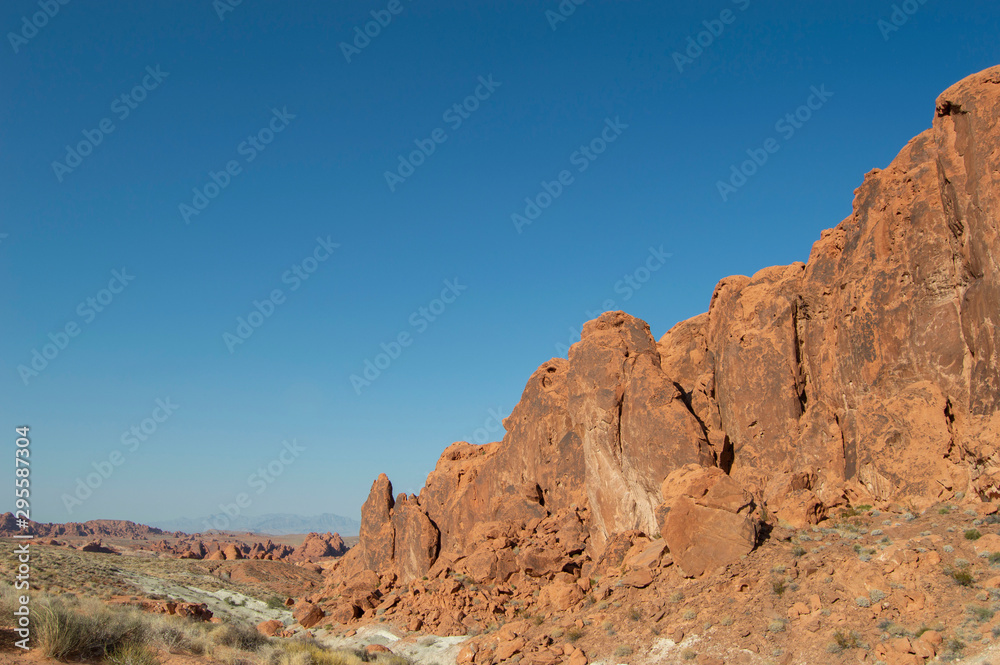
column 868, row 375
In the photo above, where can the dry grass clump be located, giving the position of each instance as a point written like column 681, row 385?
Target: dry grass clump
column 72, row 629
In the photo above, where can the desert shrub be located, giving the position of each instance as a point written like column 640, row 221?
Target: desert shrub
column 623, row 652
column 244, row 638
column 798, row 551
column 876, row 595
column 778, row 586
column 861, row 601
column 275, row 603
column 86, row 629
column 573, row 634
column 635, row 614
column 843, row 641
column 961, row 576
column 980, row 613
column 972, row 534
column 689, row 614
column 131, row 652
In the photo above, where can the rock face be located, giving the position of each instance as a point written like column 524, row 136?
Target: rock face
column 868, row 375
column 873, row 368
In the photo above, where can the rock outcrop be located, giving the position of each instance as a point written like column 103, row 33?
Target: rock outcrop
column 318, row 546
column 867, row 375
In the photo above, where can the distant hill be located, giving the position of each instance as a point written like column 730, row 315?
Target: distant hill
column 91, row 528
column 277, row 524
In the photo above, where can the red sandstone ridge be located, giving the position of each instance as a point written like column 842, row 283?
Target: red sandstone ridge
column 95, row 528
column 869, row 374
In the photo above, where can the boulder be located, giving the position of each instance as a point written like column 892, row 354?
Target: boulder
column 709, row 521
column 307, row 614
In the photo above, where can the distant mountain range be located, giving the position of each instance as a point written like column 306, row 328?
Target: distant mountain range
column 276, row 524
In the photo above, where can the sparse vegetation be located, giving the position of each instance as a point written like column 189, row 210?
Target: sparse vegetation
column 623, row 652
column 972, row 534
column 72, row 629
column 573, row 634
column 980, row 613
column 798, row 551
column 778, row 586
column 961, row 576
column 843, row 641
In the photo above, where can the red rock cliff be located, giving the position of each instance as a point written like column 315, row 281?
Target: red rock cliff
column 868, row 374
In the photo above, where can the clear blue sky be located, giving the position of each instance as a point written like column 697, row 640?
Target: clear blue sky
column 608, row 68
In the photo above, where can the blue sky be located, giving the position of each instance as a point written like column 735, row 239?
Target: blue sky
column 592, row 118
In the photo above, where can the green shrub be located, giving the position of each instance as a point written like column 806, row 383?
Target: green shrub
column 275, row 603
column 973, row 534
column 623, row 652
column 961, row 576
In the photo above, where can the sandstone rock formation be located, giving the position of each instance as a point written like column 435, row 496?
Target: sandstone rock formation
column 318, row 546
column 868, row 374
